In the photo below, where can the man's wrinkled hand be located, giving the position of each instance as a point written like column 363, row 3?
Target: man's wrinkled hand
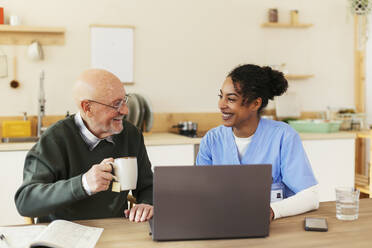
column 140, row 212
column 271, row 215
column 99, row 176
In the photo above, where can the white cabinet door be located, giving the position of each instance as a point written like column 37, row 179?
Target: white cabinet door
column 171, row 155
column 333, row 162
column 11, row 177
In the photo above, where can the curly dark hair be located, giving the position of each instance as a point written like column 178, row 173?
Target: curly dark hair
column 253, row 81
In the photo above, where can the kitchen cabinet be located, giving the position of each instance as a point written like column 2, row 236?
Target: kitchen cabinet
column 163, row 155
column 25, row 35
column 363, row 163
column 332, row 160
column 333, row 163
column 11, row 178
column 331, row 155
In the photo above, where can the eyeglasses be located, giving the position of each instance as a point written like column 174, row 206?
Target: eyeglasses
column 116, row 106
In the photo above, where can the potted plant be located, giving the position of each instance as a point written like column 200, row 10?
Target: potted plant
column 360, row 7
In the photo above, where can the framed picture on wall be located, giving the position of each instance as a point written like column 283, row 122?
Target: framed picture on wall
column 112, row 49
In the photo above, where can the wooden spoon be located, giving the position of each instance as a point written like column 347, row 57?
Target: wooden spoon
column 14, row 83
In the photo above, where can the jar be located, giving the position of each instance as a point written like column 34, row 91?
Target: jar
column 1, row 15
column 294, row 17
column 273, row 15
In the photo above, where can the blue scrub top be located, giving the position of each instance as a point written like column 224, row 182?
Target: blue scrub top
column 274, row 143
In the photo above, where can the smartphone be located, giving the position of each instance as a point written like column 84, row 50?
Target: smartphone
column 316, row 224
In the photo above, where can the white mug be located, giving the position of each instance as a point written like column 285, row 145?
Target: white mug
column 14, row 20
column 34, row 51
column 125, row 170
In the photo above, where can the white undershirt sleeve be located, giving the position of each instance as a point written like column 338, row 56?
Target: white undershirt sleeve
column 86, row 186
column 299, row 203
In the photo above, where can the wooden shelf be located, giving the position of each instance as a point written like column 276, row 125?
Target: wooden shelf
column 298, row 76
column 285, row 25
column 24, row 35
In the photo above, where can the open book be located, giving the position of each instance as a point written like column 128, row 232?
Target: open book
column 58, row 234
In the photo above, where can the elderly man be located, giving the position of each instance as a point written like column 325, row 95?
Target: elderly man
column 67, row 175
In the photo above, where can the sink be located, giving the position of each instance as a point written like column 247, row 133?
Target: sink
column 20, row 139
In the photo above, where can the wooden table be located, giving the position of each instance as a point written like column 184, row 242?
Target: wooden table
column 286, row 232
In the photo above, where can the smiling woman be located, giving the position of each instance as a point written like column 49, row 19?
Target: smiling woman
column 246, row 138
column 245, row 93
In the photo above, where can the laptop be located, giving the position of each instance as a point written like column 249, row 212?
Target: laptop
column 211, row 202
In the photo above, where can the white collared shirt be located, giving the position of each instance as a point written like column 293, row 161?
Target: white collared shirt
column 91, row 140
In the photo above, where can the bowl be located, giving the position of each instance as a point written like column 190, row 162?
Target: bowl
column 315, row 126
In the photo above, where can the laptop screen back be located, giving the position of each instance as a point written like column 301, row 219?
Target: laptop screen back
column 206, row 202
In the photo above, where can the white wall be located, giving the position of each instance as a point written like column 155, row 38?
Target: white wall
column 184, row 49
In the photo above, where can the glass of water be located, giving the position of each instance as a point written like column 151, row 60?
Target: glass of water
column 347, row 203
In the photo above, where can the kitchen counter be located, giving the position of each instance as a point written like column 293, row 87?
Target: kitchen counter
column 321, row 136
column 15, row 146
column 155, row 139
column 151, row 139
column 169, row 139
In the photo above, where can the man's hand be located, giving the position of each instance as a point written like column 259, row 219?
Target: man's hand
column 99, row 176
column 140, row 212
column 271, row 215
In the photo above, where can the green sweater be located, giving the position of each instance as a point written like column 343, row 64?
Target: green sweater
column 52, row 177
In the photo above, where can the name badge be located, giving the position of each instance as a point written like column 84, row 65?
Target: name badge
column 276, row 195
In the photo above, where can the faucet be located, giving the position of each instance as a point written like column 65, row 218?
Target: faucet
column 41, row 107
